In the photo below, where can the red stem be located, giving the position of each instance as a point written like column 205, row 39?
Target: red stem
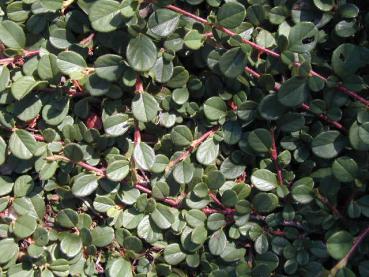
column 169, row 201
column 261, row 49
column 86, row 41
column 216, row 200
column 137, row 136
column 189, row 150
column 38, row 137
column 274, row 154
column 305, row 106
column 343, row 262
column 139, row 85
column 86, row 166
column 26, row 54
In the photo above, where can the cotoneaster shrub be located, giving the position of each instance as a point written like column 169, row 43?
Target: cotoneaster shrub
column 184, row 138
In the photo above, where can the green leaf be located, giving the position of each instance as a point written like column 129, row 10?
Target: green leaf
column 339, row 244
column 144, row 156
column 105, row 15
column 270, row 108
column 173, row 254
column 67, row 218
column 6, row 185
column 23, row 186
column 324, row 5
column 215, row 108
column 193, row 40
column 199, row 235
column 120, row 267
column 116, row 125
column 84, row 185
column 22, row 144
column 207, row 152
column 231, row 14
column 117, row 170
column 24, row 85
column 141, row 53
column 162, row 216
column 260, row 140
column 233, row 62
column 293, row 92
column 71, row 245
column 261, row 244
column 183, row 172
column 345, row 169
column 12, row 35
column 264, row 180
column 9, row 250
column 328, row 144
column 60, row 267
column 52, row 5
column 73, row 152
column 148, row 231
column 181, row 135
column 109, row 67
column 102, row 236
column 3, row 151
column 265, row 202
column 24, row 226
column 71, row 64
column 180, row 96
column 163, row 22
column 302, row 190
column 230, row 170
column 145, row 107
column 217, row 242
column 303, row 37
column 47, row 68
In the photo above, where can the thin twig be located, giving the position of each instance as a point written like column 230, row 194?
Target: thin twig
column 274, row 154
column 196, row 143
column 343, row 262
column 261, row 49
column 305, row 106
column 98, row 171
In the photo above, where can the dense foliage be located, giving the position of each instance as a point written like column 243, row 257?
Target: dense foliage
column 184, row 138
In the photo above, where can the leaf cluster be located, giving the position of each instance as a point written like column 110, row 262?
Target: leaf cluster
column 184, row 138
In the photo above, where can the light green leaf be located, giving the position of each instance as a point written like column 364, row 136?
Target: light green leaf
column 144, row 156
column 22, row 144
column 145, row 107
column 12, row 35
column 141, row 53
column 264, row 180
column 84, row 185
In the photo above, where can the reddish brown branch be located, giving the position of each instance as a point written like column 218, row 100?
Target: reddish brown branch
column 274, row 154
column 196, row 143
column 343, row 262
column 170, row 201
column 261, row 49
column 139, row 85
column 26, row 54
column 98, row 171
column 304, row 106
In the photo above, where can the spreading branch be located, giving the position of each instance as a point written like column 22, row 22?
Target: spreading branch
column 343, row 262
column 196, row 143
column 97, row 171
column 26, row 54
column 304, row 106
column 274, row 154
column 261, row 49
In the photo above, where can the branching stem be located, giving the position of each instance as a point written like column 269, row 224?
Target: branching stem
column 343, row 262
column 261, row 49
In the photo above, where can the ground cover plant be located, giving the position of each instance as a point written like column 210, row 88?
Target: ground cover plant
column 184, row 138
